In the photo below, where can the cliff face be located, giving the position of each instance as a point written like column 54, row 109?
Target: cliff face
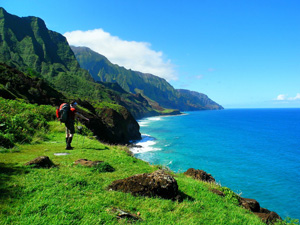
column 26, row 42
column 150, row 86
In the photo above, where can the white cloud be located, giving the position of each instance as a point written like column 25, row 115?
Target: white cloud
column 297, row 97
column 133, row 55
column 283, row 97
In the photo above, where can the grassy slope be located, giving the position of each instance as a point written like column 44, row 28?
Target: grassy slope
column 70, row 194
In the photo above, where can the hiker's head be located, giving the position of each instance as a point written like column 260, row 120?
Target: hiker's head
column 74, row 104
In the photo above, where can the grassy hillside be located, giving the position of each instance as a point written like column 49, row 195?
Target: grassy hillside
column 70, row 194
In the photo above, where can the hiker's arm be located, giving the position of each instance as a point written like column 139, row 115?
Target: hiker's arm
column 81, row 116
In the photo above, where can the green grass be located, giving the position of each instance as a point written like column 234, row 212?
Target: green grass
column 70, row 194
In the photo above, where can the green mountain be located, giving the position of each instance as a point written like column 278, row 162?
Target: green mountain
column 150, row 86
column 27, row 44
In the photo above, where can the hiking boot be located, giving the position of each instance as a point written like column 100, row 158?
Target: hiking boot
column 69, row 148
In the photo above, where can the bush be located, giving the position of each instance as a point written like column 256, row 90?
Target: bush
column 5, row 141
column 19, row 121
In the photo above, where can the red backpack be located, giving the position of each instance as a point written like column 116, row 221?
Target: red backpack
column 62, row 113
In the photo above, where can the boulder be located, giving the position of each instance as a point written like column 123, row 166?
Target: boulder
column 99, row 166
column 250, row 204
column 199, row 175
column 40, row 162
column 157, row 183
column 88, row 163
column 218, row 192
column 266, row 215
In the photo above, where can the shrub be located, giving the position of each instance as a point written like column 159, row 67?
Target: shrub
column 19, row 121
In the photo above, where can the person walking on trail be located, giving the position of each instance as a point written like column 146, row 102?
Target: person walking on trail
column 70, row 124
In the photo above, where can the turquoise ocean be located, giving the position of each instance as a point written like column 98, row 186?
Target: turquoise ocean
column 254, row 152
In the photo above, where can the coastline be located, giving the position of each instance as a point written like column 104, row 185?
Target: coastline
column 252, row 205
column 138, row 151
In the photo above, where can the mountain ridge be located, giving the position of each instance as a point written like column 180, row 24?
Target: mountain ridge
column 149, row 85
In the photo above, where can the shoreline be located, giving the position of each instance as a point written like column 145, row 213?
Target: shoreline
column 137, row 146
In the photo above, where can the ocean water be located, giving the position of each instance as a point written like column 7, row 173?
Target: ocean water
column 254, row 152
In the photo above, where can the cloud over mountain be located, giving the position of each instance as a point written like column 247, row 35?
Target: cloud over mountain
column 131, row 54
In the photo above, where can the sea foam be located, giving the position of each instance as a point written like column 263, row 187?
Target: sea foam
column 145, row 145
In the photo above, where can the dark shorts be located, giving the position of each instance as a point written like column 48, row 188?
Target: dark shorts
column 70, row 125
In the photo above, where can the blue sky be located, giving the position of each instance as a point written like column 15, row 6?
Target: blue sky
column 241, row 53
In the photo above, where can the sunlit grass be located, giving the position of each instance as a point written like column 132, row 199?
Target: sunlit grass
column 71, row 194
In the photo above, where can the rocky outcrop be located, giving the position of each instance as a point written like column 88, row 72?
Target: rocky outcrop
column 99, row 166
column 122, row 124
column 266, row 215
column 217, row 192
column 111, row 126
column 40, row 162
column 88, row 163
column 252, row 205
column 158, row 184
column 199, row 175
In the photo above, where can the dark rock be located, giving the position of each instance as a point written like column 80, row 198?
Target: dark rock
column 99, row 166
column 218, row 192
column 199, row 175
column 111, row 126
column 88, row 163
column 250, row 204
column 40, row 162
column 268, row 217
column 263, row 210
column 157, row 183
column 134, row 146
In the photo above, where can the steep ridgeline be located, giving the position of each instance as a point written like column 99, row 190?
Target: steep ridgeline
column 27, row 44
column 150, row 86
column 109, row 125
column 198, row 100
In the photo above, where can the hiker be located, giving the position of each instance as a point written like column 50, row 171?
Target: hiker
column 69, row 121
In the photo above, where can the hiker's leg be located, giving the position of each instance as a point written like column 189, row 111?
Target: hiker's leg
column 71, row 128
column 67, row 134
